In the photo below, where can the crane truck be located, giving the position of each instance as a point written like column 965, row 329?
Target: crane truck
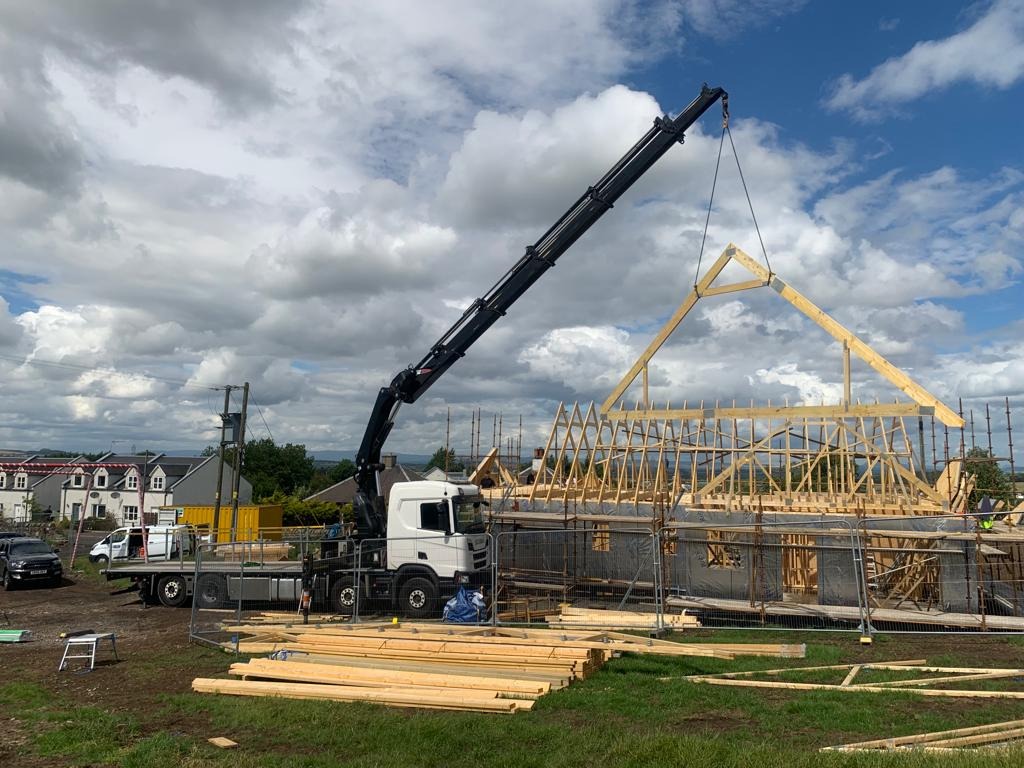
column 417, row 547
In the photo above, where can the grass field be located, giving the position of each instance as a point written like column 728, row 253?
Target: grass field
column 634, row 712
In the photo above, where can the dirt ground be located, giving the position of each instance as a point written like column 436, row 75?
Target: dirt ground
column 89, row 603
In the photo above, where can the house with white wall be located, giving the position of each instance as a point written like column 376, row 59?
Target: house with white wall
column 123, row 487
column 30, row 482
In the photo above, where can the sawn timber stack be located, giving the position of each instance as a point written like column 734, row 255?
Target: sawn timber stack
column 483, row 669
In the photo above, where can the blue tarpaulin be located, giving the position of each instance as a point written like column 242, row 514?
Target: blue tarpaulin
column 465, row 608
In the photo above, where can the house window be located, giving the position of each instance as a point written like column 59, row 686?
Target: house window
column 158, row 483
column 99, row 511
column 3, row 480
column 21, row 482
column 101, row 480
column 131, row 482
column 131, row 515
column 77, row 481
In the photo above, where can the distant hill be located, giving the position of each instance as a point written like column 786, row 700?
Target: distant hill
column 333, row 457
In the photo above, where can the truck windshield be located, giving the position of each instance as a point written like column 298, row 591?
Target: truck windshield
column 31, row 548
column 469, row 514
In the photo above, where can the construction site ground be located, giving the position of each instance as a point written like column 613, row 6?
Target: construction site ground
column 635, row 711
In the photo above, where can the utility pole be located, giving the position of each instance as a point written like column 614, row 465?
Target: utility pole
column 239, row 446
column 220, row 463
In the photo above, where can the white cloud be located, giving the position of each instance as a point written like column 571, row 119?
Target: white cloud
column 990, row 52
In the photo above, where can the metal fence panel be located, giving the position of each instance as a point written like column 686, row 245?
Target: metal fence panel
column 541, row 573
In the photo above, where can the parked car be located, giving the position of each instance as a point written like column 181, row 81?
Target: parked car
column 11, row 535
column 24, row 560
column 164, row 542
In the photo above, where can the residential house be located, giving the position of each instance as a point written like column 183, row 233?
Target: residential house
column 20, row 490
column 129, row 484
column 345, row 491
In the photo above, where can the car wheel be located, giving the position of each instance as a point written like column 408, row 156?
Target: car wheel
column 211, row 592
column 101, row 560
column 418, row 598
column 172, row 591
column 56, row 581
column 8, row 581
column 343, row 596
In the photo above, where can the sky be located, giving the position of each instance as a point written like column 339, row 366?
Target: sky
column 306, row 195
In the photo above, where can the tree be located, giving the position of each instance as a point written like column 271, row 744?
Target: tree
column 324, row 478
column 210, row 450
column 270, row 468
column 298, row 511
column 989, row 478
column 439, row 460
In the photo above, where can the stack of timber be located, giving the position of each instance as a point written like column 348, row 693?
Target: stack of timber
column 991, row 735
column 570, row 617
column 438, row 666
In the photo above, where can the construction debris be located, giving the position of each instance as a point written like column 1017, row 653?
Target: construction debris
column 570, row 617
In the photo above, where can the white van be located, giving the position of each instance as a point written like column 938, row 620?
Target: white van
column 163, row 542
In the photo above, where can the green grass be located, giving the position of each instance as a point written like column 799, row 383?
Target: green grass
column 636, row 711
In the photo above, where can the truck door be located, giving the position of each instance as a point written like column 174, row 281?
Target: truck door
column 434, row 540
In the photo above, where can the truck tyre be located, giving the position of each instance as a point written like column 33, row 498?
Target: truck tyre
column 211, row 591
column 418, row 598
column 8, row 581
column 101, row 560
column 343, row 597
column 172, row 591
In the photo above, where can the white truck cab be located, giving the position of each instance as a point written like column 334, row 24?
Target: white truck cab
column 163, row 542
column 437, row 525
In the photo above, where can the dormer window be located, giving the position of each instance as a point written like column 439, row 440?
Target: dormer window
column 101, row 479
column 158, row 483
column 77, row 480
column 21, row 482
column 131, row 482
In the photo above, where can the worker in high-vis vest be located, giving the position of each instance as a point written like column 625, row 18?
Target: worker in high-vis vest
column 985, row 521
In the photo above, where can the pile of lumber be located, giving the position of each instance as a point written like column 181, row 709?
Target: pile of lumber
column 990, row 735
column 570, row 617
column 438, row 666
column 930, row 680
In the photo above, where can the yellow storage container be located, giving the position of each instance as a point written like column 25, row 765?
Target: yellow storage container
column 255, row 521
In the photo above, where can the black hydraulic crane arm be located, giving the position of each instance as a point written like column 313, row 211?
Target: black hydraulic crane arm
column 409, row 384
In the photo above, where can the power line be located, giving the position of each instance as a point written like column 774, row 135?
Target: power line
column 260, row 412
column 95, row 369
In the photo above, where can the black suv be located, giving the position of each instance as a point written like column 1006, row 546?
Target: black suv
column 24, row 560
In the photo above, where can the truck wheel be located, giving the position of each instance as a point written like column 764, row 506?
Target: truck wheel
column 343, row 596
column 418, row 598
column 211, row 592
column 8, row 581
column 101, row 560
column 172, row 591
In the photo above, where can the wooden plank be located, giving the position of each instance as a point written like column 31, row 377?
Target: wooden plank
column 314, row 672
column 991, row 675
column 794, row 412
column 344, row 693
column 919, row 738
column 850, row 675
column 222, row 742
column 982, row 738
column 858, row 688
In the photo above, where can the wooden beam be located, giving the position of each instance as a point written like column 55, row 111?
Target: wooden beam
column 889, row 371
column 684, row 309
column 785, row 412
column 746, row 285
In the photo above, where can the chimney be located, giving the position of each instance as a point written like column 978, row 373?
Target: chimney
column 389, row 460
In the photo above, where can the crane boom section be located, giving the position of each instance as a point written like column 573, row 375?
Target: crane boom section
column 412, row 382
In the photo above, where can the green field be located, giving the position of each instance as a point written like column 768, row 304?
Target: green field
column 637, row 711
